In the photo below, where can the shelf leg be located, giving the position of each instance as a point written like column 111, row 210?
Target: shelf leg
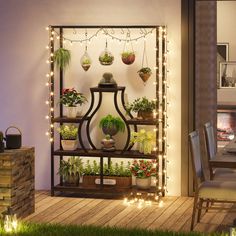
column 101, row 172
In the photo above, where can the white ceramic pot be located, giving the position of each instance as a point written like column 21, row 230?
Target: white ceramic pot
column 144, row 183
column 71, row 112
column 69, row 145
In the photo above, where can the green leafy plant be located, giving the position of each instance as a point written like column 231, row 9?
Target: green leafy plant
column 117, row 169
column 145, row 70
column 62, row 57
column 143, row 168
column 68, row 132
column 106, row 58
column 70, row 98
column 110, row 121
column 127, row 54
column 86, row 61
column 141, row 104
column 145, row 139
column 71, row 168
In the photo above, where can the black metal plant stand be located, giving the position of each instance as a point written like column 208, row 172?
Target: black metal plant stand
column 160, row 122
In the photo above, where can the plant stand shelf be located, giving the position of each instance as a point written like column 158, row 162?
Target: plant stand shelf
column 101, row 153
column 102, row 191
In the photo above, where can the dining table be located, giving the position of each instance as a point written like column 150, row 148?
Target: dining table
column 225, row 157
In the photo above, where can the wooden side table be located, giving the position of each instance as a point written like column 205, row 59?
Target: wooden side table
column 17, row 173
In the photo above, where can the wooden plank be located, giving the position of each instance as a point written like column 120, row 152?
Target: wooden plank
column 101, row 216
column 46, row 203
column 40, row 216
column 166, row 215
column 72, row 211
column 74, row 217
column 168, row 202
column 110, row 215
column 183, row 221
column 82, row 218
column 62, row 206
column 169, row 224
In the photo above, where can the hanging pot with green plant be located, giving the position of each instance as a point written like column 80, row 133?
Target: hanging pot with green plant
column 145, row 72
column 128, row 55
column 106, row 58
column 62, row 58
column 85, row 60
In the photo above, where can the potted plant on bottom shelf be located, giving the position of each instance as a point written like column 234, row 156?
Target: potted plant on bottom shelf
column 145, row 73
column 69, row 135
column 110, row 126
column 71, row 170
column 143, row 170
column 143, row 107
column 144, row 139
column 71, row 98
column 116, row 175
column 128, row 57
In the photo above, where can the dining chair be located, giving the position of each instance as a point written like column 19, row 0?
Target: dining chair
column 211, row 146
column 207, row 190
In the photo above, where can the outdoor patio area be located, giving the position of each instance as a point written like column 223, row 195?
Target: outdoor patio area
column 174, row 215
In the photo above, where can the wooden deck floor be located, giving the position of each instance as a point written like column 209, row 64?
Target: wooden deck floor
column 174, row 215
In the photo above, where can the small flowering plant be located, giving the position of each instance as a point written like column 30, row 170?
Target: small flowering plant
column 143, row 168
column 70, row 98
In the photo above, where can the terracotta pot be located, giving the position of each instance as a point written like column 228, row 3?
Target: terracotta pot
column 144, row 76
column 146, row 115
column 129, row 59
column 143, row 183
column 69, row 145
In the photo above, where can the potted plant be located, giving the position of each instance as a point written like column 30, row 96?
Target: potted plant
column 116, row 175
column 71, row 98
column 128, row 57
column 110, row 126
column 71, row 170
column 145, row 73
column 143, row 170
column 143, row 107
column 62, row 57
column 144, row 139
column 1, row 142
column 69, row 134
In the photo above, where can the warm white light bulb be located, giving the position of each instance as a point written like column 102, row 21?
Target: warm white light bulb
column 47, row 102
column 47, row 117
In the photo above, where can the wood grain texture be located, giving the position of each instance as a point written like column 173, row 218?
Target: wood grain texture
column 174, row 215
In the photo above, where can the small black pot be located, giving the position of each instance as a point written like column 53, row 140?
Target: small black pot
column 13, row 141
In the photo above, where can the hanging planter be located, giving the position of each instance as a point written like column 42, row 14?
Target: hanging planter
column 106, row 58
column 85, row 60
column 128, row 58
column 128, row 55
column 145, row 72
column 62, row 58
